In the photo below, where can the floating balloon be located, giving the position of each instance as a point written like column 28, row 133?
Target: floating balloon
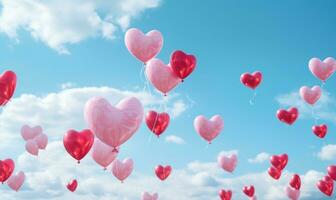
column 7, row 86
column 295, row 182
column 32, row 147
column 332, row 172
column 72, row 186
column 326, row 185
column 78, row 144
column 147, row 196
column 114, row 125
column 143, row 47
column 251, row 80
column 161, row 76
column 310, row 95
column 225, row 194
column 275, row 173
column 292, row 193
column 163, row 172
column 228, row 163
column 6, row 169
column 249, row 190
column 208, row 129
column 157, row 122
column 322, row 69
column 16, row 181
column 288, row 116
column 122, row 169
column 182, row 64
column 103, row 154
column 279, row 161
column 29, row 133
column 42, row 141
column 320, row 130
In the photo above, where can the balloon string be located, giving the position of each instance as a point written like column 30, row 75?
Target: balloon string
column 314, row 116
column 323, row 84
column 251, row 101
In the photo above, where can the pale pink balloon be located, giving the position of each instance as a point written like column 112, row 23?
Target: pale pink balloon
column 41, row 141
column 208, row 129
column 113, row 125
column 143, row 47
column 322, row 69
column 228, row 163
column 161, row 76
column 102, row 153
column 310, row 95
column 292, row 193
column 16, row 181
column 32, row 147
column 122, row 169
column 28, row 132
column 147, row 196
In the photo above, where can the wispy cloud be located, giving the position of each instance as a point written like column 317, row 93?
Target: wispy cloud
column 260, row 158
column 327, row 152
column 174, row 139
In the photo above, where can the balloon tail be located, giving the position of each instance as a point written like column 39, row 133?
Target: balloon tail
column 78, row 161
column 251, row 101
column 105, row 169
column 322, row 84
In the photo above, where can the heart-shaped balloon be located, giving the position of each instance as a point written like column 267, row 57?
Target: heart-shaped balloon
column 320, row 130
column 208, row 129
column 72, row 186
column 251, row 80
column 122, row 169
column 279, row 161
column 162, row 172
column 143, row 47
column 322, row 69
column 29, row 133
column 288, row 116
column 249, row 190
column 225, row 194
column 332, row 172
column 157, row 122
column 228, row 163
column 161, row 76
column 16, row 181
column 6, row 169
column 275, row 173
column 114, row 125
column 78, row 144
column 41, row 141
column 292, row 193
column 182, row 64
column 7, row 86
column 310, row 95
column 326, row 185
column 147, row 196
column 295, row 182
column 32, row 147
column 103, row 154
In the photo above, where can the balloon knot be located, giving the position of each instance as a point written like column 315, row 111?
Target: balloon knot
column 209, row 142
column 115, row 150
column 182, row 80
column 105, row 169
column 78, row 161
column 165, row 94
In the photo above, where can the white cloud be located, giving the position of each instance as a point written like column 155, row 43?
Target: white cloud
column 230, row 152
column 260, row 158
column 174, row 139
column 68, row 85
column 328, row 152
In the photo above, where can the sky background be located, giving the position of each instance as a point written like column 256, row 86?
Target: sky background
column 62, row 59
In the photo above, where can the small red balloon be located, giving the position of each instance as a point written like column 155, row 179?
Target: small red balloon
column 326, row 185
column 288, row 116
column 78, row 144
column 182, row 64
column 72, row 186
column 163, row 172
column 225, row 194
column 332, row 172
column 157, row 122
column 295, row 182
column 251, row 80
column 249, row 190
column 7, row 86
column 279, row 161
column 6, row 169
column 274, row 173
column 320, row 130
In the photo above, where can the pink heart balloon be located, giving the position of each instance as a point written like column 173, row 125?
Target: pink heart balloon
column 322, row 69
column 147, row 196
column 208, row 129
column 228, row 163
column 161, row 76
column 113, row 125
column 122, row 169
column 310, row 95
column 41, row 141
column 28, row 132
column 102, row 153
column 16, row 181
column 32, row 147
column 143, row 47
column 292, row 193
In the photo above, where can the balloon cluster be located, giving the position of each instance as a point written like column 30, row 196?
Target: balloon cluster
column 35, row 139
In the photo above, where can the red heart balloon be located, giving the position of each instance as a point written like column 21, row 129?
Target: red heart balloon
column 332, row 172
column 6, row 169
column 251, row 80
column 326, row 185
column 7, row 86
column 288, row 116
column 225, row 194
column 295, row 182
column 157, row 122
column 249, row 190
column 274, row 173
column 279, row 161
column 78, row 144
column 72, row 186
column 163, row 172
column 182, row 64
column 320, row 130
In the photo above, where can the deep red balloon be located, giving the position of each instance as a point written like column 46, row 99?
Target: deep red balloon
column 288, row 116
column 295, row 182
column 249, row 190
column 332, row 172
column 163, row 172
column 182, row 64
column 251, row 80
column 157, row 122
column 274, row 172
column 320, row 130
column 326, row 185
column 7, row 86
column 6, row 169
column 225, row 194
column 279, row 161
column 78, row 144
column 72, row 186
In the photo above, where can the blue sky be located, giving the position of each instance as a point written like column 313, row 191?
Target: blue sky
column 228, row 38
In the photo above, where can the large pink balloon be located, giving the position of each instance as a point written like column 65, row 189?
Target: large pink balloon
column 113, row 125
column 41, row 141
column 122, row 169
column 147, row 196
column 161, row 76
column 208, row 129
column 228, row 163
column 102, row 153
column 322, row 69
column 292, row 193
column 32, row 147
column 143, row 47
column 310, row 95
column 16, row 181
column 28, row 132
